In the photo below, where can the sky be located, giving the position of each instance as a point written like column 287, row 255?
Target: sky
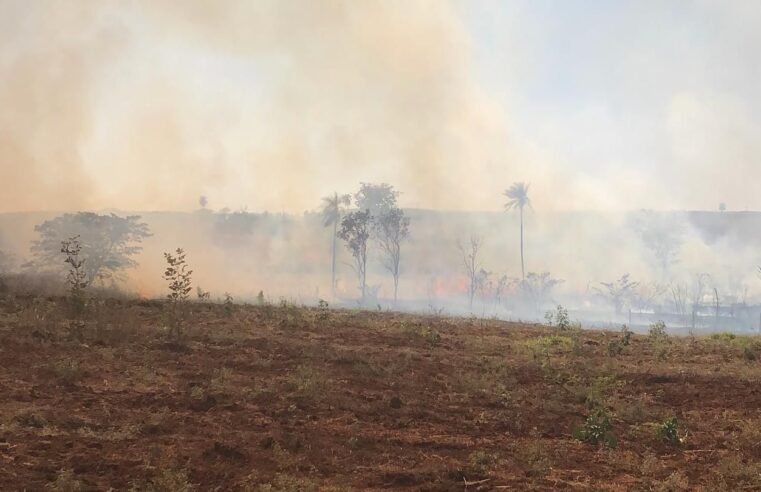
column 270, row 105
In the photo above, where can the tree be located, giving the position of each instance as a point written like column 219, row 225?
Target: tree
column 108, row 242
column 662, row 235
column 472, row 265
column 203, row 201
column 377, row 198
column 517, row 199
column 355, row 231
column 332, row 209
column 691, row 297
column 645, row 296
column 538, row 288
column 619, row 293
column 700, row 285
column 391, row 228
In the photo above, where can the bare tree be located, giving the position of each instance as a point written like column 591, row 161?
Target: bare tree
column 618, row 293
column 484, row 288
column 645, row 295
column 538, row 288
column 699, row 288
column 332, row 209
column 679, row 297
column 472, row 264
column 499, row 288
column 355, row 231
column 688, row 299
column 391, row 228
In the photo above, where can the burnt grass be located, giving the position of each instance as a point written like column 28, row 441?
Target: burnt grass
column 278, row 397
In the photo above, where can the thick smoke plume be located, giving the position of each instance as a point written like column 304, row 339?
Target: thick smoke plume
column 146, row 105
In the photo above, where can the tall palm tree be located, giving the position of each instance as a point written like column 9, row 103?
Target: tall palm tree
column 517, row 198
column 332, row 208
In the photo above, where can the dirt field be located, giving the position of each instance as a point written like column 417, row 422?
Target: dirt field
column 286, row 398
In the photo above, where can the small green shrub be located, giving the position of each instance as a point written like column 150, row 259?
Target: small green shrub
column 323, row 310
column 615, row 348
column 596, row 429
column 228, row 305
column 748, row 354
column 558, row 318
column 626, row 335
column 431, row 335
column 657, row 330
column 662, row 351
column 179, row 277
column 668, row 431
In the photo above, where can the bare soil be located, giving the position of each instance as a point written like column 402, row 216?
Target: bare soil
column 289, row 398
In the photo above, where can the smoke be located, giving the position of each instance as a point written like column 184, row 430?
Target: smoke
column 273, row 104
column 146, row 105
column 47, row 73
column 270, row 105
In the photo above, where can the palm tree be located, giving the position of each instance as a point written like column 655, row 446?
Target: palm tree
column 332, row 207
column 517, row 198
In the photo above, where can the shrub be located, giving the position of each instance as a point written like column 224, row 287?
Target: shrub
column 179, row 277
column 76, row 278
column 431, row 335
column 203, row 295
column 228, row 305
column 323, row 310
column 615, row 347
column 668, row 431
column 558, row 318
column 626, row 335
column 657, row 330
column 482, row 461
column 748, row 353
column 596, row 429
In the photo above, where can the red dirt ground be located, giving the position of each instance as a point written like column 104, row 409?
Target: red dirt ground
column 286, row 398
